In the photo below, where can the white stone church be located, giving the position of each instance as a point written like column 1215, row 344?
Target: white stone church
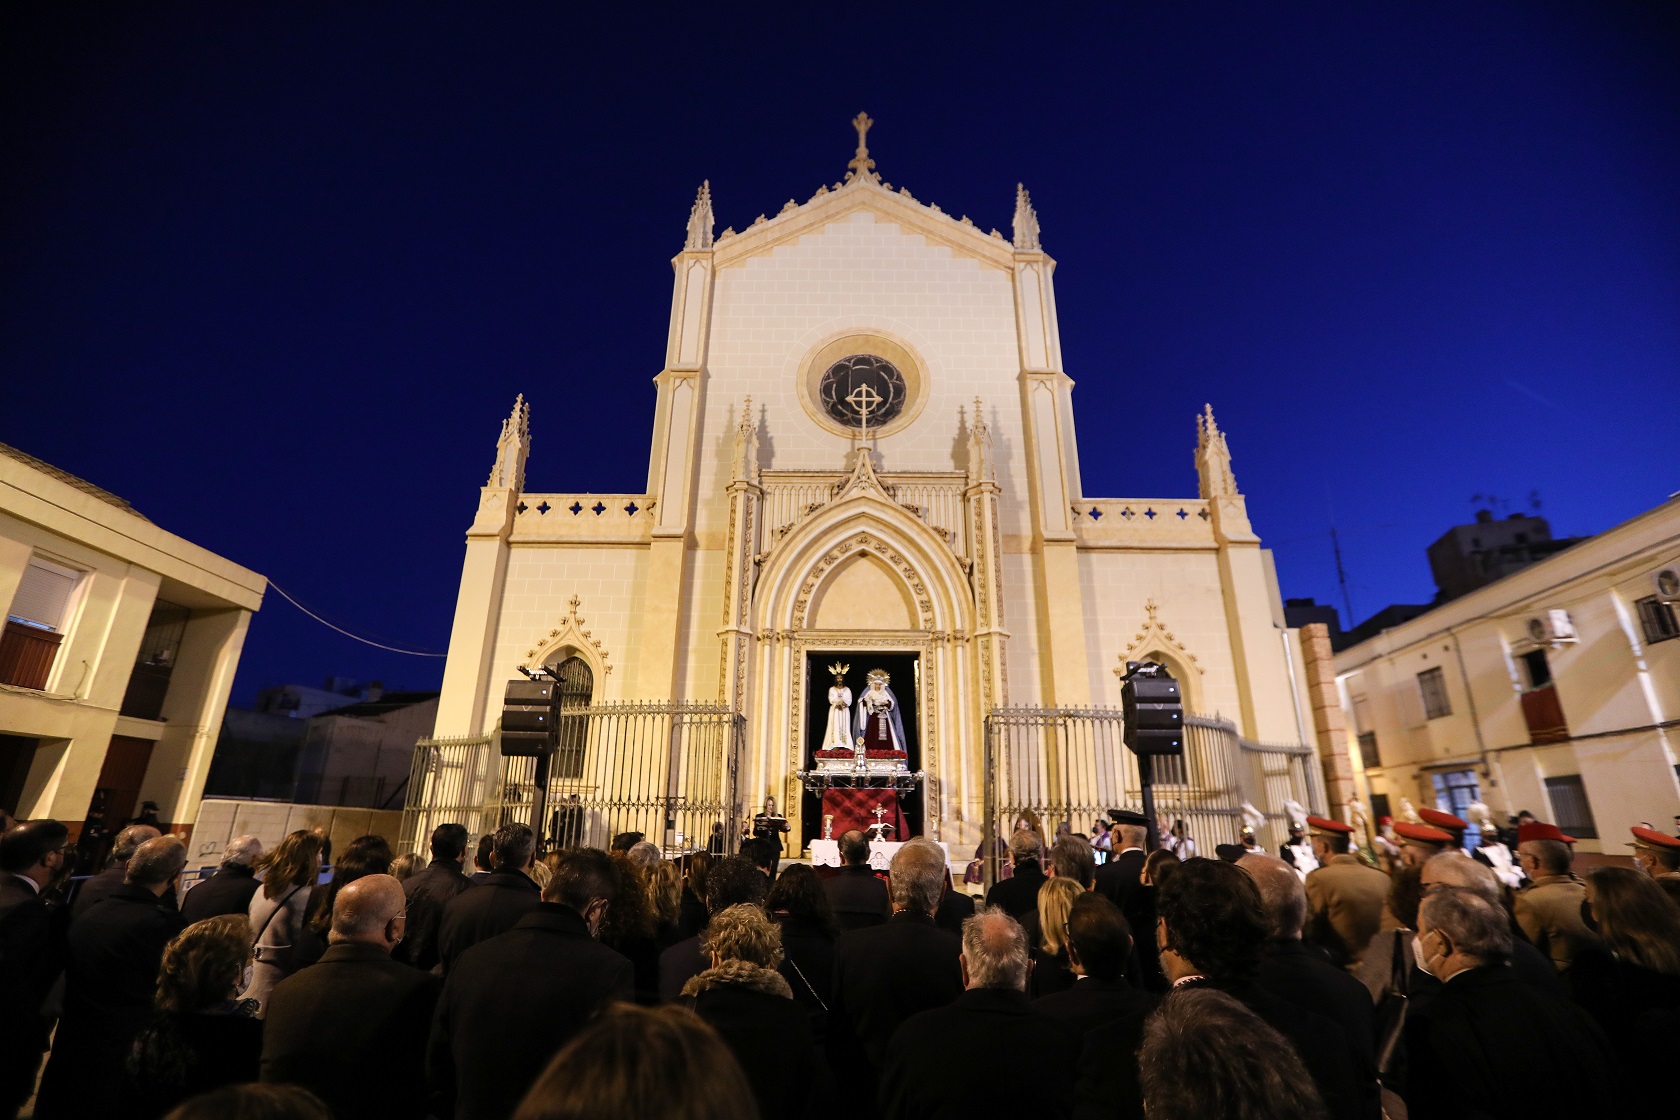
column 865, row 449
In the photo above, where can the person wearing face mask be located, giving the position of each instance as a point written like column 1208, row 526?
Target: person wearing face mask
column 1546, row 1057
column 1453, row 870
column 1549, row 908
column 547, row 976
column 355, row 1010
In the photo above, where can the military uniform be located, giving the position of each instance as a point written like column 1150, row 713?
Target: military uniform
column 1345, row 901
column 1549, row 912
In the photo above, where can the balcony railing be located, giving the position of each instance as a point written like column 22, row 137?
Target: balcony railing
column 26, row 655
column 1543, row 713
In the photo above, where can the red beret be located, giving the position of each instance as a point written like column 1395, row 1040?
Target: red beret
column 1385, row 820
column 1651, row 838
column 1324, row 824
column 1421, row 833
column 1442, row 820
column 1538, row 830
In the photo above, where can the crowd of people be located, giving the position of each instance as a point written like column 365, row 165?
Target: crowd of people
column 620, row 984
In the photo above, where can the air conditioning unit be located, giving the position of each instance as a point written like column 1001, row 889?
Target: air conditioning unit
column 1551, row 628
column 1666, row 583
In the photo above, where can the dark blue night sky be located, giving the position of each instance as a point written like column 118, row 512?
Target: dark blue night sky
column 275, row 272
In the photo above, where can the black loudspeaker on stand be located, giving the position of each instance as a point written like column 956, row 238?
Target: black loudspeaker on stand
column 1153, row 709
column 530, row 722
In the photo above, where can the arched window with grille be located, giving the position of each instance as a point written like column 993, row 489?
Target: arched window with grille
column 577, row 691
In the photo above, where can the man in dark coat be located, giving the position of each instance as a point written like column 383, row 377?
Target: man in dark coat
column 483, row 857
column 110, row 980
column 506, row 895
column 429, row 892
column 1488, row 1044
column 355, row 1011
column 730, row 881
column 955, row 908
column 1292, row 972
column 510, row 1003
column 1018, row 894
column 856, row 896
column 110, row 880
column 885, row 974
column 1099, row 945
column 1120, row 880
column 230, row 889
column 1121, row 877
column 928, row 1070
column 1213, row 930
column 34, row 858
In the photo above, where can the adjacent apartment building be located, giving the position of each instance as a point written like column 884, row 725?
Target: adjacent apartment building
column 117, row 655
column 1555, row 689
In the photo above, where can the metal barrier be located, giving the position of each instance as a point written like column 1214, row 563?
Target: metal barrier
column 1051, row 766
column 670, row 771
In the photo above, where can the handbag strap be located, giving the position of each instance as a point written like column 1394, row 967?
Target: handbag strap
column 279, row 906
column 1399, row 976
column 798, row 972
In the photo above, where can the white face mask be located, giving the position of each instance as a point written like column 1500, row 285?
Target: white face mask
column 1421, row 957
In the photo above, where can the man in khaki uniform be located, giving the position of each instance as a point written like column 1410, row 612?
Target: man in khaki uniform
column 1549, row 908
column 1344, row 896
column 1655, row 853
column 1418, row 842
column 1658, row 855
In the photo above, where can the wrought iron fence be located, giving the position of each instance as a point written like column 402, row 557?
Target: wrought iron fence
column 451, row 780
column 669, row 771
column 1051, row 766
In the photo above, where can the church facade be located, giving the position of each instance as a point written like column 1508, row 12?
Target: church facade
column 864, row 451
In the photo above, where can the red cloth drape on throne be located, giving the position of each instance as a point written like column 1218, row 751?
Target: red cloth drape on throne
column 855, row 808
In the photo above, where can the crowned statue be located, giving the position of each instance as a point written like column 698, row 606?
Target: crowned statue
column 838, row 737
column 879, row 726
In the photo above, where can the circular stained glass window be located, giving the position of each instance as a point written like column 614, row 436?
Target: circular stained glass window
column 861, row 381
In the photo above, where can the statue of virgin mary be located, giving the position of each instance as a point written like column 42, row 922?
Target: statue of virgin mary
column 879, row 724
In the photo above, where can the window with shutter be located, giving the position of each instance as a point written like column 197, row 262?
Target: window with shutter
column 1432, row 684
column 43, row 595
column 1571, row 811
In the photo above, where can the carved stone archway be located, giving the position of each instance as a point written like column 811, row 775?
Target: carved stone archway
column 865, row 520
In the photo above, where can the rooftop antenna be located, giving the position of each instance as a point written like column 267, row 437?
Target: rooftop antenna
column 1341, row 574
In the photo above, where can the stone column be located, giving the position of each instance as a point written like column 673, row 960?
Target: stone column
column 741, row 548
column 467, row 687
column 1329, row 727
column 986, row 570
column 192, row 710
column 671, row 469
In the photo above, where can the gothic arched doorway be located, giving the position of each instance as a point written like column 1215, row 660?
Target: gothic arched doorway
column 577, row 691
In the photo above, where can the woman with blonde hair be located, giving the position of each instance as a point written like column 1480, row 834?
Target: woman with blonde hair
column 1051, row 970
column 750, row 1005
column 278, row 912
column 666, row 888
column 201, row 1037
column 406, row 866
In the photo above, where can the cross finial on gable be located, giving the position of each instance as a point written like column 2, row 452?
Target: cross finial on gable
column 862, row 166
